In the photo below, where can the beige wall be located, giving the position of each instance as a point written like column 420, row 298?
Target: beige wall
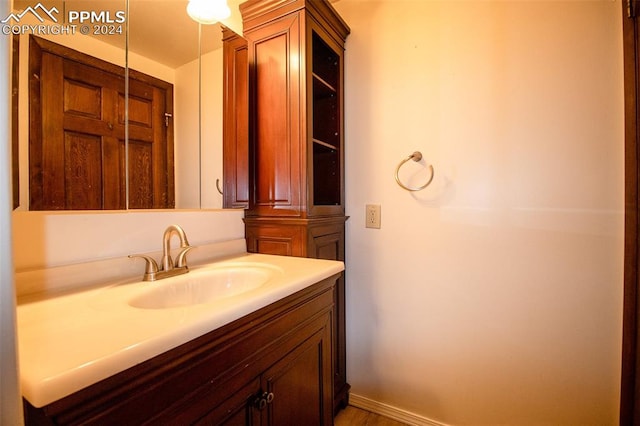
column 495, row 295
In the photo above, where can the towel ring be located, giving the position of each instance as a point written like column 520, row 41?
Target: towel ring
column 416, row 156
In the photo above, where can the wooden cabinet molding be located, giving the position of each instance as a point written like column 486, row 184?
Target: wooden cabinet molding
column 297, row 237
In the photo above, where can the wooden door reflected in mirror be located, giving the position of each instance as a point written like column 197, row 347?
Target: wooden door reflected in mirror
column 77, row 150
column 165, row 46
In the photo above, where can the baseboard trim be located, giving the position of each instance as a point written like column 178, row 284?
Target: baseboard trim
column 391, row 412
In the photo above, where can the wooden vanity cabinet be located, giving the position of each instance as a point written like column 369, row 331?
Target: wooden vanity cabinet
column 271, row 367
column 296, row 139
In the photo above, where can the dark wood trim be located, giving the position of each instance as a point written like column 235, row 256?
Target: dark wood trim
column 629, row 404
column 15, row 140
column 36, row 196
column 60, row 50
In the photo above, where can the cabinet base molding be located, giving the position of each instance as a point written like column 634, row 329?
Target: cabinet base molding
column 391, row 412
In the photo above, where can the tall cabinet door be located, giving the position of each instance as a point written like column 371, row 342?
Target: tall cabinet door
column 235, row 151
column 297, row 384
column 276, row 143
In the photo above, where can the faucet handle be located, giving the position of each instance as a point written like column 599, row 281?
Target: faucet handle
column 181, row 259
column 151, row 267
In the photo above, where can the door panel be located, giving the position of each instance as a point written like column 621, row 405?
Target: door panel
column 83, row 171
column 150, row 168
column 299, row 384
column 140, row 176
column 235, row 150
column 276, row 145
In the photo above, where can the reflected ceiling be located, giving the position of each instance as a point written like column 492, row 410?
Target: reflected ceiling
column 161, row 30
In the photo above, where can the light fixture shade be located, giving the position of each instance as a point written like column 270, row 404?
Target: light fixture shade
column 208, row 11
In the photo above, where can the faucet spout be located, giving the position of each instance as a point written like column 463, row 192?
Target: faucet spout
column 169, row 268
column 167, row 262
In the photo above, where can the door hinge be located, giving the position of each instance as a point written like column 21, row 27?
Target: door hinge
column 167, row 116
column 631, row 13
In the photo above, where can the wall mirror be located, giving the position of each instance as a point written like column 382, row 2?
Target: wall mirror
column 173, row 67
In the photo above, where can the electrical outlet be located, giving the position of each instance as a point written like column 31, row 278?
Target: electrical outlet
column 372, row 216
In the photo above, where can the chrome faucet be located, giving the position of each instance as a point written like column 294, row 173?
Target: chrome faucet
column 169, row 267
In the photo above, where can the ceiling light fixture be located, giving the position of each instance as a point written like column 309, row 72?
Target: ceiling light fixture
column 208, row 11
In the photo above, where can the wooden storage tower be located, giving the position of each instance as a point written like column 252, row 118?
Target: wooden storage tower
column 296, row 139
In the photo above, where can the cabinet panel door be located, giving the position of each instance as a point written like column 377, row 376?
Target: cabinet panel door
column 301, row 383
column 275, row 141
column 235, row 150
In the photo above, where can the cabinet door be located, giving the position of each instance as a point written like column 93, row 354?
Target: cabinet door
column 235, row 150
column 301, row 383
column 276, row 144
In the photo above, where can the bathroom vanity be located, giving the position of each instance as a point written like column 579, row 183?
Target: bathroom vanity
column 266, row 357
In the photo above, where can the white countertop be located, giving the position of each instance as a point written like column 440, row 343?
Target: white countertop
column 71, row 341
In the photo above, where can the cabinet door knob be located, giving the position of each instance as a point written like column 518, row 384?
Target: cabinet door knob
column 262, row 400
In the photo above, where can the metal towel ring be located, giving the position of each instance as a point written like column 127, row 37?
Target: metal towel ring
column 416, row 156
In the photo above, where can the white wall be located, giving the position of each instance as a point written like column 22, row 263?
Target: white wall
column 187, row 135
column 196, row 186
column 211, row 151
column 50, row 239
column 495, row 295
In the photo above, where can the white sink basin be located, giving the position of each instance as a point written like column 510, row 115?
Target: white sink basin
column 72, row 340
column 203, row 286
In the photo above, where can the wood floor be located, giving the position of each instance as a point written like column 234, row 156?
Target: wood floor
column 352, row 416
